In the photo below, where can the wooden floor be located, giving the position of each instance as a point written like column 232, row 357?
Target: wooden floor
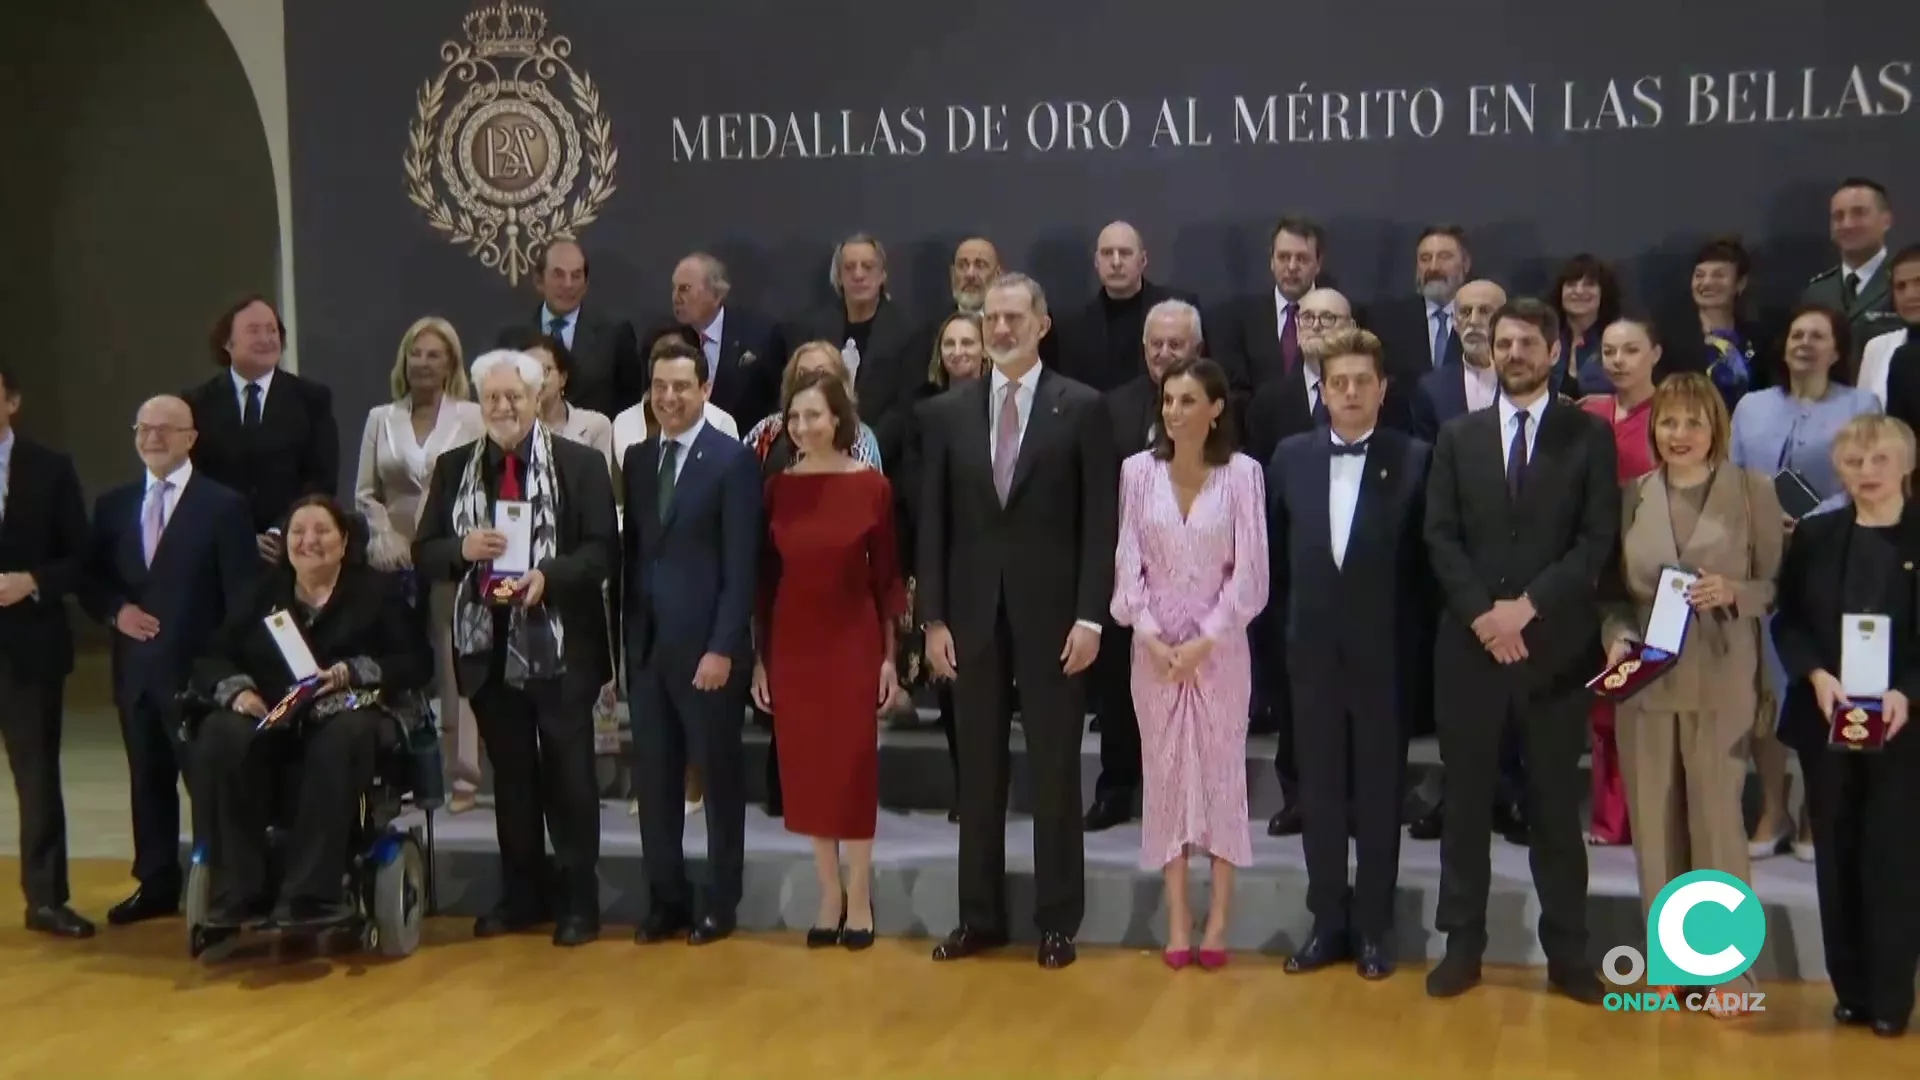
column 130, row 1003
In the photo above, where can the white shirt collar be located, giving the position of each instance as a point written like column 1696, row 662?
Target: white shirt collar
column 547, row 316
column 1030, row 380
column 1508, row 410
column 1867, row 269
column 715, row 330
column 686, row 438
column 264, row 382
column 178, row 477
column 1434, row 309
column 1338, row 441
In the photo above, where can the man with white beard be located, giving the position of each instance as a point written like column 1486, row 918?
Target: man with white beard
column 1421, row 332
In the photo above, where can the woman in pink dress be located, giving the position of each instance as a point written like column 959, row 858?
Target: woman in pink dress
column 1190, row 573
column 1628, row 352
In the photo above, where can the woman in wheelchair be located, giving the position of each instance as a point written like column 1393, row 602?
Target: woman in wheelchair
column 318, row 758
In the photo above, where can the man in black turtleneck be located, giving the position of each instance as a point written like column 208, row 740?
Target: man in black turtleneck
column 1099, row 345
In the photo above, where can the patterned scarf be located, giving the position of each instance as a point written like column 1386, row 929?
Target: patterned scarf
column 536, row 640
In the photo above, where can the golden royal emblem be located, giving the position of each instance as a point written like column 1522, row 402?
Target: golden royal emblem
column 1855, row 729
column 1618, row 680
column 503, row 590
column 500, row 171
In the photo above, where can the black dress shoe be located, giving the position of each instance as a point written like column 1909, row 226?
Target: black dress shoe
column 1056, row 951
column 662, row 924
column 575, row 930
column 1455, row 974
column 1373, row 961
column 965, row 941
column 711, row 928
column 143, row 905
column 502, row 921
column 1579, row 984
column 1851, row 1016
column 1889, row 1029
column 1428, row 826
column 826, row 937
column 1109, row 810
column 1284, row 823
column 58, row 921
column 1321, row 950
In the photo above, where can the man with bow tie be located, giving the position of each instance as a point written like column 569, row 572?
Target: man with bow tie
column 1348, row 580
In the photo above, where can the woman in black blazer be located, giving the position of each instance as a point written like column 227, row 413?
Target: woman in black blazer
column 1865, row 806
column 365, row 642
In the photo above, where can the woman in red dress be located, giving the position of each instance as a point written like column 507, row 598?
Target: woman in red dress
column 830, row 595
column 1629, row 351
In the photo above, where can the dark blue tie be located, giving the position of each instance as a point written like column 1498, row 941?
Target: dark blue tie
column 1358, row 449
column 1319, row 406
column 1517, row 454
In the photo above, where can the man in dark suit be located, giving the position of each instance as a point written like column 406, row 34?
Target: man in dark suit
column 532, row 660
column 1421, row 332
column 745, row 351
column 263, row 432
column 172, row 557
column 875, row 337
column 1259, row 340
column 43, row 546
column 1173, row 334
column 1015, row 573
column 1349, row 564
column 1523, row 514
column 692, row 541
column 1098, row 346
column 609, row 370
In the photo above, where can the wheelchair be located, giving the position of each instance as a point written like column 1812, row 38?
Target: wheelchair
column 390, row 879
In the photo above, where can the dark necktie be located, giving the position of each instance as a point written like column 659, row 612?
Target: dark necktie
column 1290, row 337
column 1849, row 290
column 1358, row 449
column 557, row 328
column 1517, row 454
column 1319, row 406
column 510, row 477
column 669, row 453
column 250, row 415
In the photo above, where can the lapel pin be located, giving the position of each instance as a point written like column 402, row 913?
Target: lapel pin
column 1906, row 566
column 1383, row 474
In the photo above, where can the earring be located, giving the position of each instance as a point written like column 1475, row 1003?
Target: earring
column 1213, row 425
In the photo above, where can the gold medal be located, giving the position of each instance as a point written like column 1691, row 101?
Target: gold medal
column 1617, row 679
column 503, row 590
column 1854, row 733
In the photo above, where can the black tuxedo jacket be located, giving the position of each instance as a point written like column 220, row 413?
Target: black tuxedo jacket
column 746, row 381
column 609, row 370
column 587, row 553
column 888, row 372
column 43, row 533
column 1078, row 345
column 203, row 572
column 1551, row 545
column 1407, row 335
column 690, row 581
column 366, row 625
column 1363, row 623
column 294, row 451
column 1047, row 554
column 1279, row 410
column 1809, row 607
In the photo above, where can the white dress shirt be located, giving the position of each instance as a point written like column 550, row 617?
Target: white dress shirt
column 567, row 322
column 178, row 478
column 1509, row 418
column 685, row 439
column 264, row 382
column 1343, row 494
column 1877, row 360
column 1311, row 376
column 1483, row 386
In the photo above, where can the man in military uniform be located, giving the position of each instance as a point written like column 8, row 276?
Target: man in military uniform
column 1859, row 218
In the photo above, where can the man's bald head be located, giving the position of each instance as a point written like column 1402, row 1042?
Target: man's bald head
column 163, row 434
column 1473, row 308
column 1322, row 311
column 1120, row 258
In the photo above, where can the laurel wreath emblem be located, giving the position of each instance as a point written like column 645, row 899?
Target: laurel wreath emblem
column 502, row 235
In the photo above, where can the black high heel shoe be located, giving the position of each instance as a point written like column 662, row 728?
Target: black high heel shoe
column 821, row 937
column 856, row 940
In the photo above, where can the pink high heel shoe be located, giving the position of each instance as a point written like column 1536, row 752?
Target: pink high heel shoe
column 1211, row 959
column 1176, row 959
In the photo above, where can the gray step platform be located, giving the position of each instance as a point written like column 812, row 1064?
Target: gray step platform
column 916, row 889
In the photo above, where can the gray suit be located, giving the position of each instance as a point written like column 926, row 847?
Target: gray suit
column 1871, row 313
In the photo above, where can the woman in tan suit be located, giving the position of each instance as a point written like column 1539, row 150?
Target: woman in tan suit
column 429, row 415
column 1684, row 739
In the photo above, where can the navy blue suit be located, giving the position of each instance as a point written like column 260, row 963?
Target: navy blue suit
column 1440, row 395
column 1354, row 646
column 202, row 572
column 689, row 591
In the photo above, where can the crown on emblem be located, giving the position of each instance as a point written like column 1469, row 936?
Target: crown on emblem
column 505, row 29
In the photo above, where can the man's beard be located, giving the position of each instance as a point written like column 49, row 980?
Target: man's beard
column 969, row 300
column 1001, row 357
column 1439, row 290
column 1521, row 384
column 1476, row 353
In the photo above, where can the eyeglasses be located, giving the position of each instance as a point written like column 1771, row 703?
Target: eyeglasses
column 1321, row 318
column 165, row 431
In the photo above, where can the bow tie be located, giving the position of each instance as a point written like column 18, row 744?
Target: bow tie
column 1358, row 449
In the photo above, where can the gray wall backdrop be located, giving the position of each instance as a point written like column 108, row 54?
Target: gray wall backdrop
column 1722, row 152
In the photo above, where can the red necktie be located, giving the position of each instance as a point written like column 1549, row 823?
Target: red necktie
column 1290, row 339
column 510, row 477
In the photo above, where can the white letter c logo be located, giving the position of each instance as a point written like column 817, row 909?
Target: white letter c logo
column 1673, row 921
